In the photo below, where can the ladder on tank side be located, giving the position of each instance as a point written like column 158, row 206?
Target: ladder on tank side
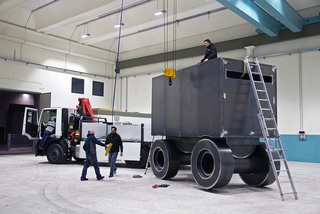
column 269, row 126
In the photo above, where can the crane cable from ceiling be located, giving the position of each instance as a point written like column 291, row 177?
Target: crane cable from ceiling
column 116, row 70
column 170, row 73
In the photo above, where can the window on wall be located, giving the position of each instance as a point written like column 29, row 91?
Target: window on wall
column 97, row 88
column 77, row 86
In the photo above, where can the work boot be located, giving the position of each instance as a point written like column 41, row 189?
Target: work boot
column 102, row 177
column 115, row 171
column 111, row 175
column 84, row 179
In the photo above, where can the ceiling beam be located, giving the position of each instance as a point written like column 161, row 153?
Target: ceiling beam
column 257, row 40
column 253, row 14
column 283, row 12
column 7, row 5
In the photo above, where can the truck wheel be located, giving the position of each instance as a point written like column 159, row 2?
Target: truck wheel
column 211, row 164
column 265, row 175
column 55, row 153
column 164, row 159
column 142, row 162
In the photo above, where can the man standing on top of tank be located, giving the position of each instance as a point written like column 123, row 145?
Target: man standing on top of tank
column 211, row 51
column 91, row 155
column 116, row 141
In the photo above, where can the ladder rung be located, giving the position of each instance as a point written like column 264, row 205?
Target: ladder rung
column 287, row 193
column 285, row 182
column 265, row 109
column 276, row 149
column 261, row 90
column 282, row 170
column 274, row 160
column 265, row 100
column 257, row 81
column 268, row 119
column 252, row 63
column 271, row 128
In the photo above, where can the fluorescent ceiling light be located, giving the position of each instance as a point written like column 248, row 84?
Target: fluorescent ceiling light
column 85, row 35
column 118, row 25
column 160, row 12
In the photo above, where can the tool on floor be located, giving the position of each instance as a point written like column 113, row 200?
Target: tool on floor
column 268, row 124
column 161, row 185
column 137, row 176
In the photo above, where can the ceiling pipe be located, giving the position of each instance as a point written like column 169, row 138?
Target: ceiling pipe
column 177, row 21
column 117, row 11
column 52, row 67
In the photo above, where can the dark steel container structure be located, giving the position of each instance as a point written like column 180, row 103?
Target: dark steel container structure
column 211, row 99
column 209, row 119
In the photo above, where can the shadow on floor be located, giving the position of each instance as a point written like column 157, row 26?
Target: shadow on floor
column 17, row 149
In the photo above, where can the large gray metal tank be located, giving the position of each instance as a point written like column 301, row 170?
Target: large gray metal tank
column 209, row 119
column 212, row 99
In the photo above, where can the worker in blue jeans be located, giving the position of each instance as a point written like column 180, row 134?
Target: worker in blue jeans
column 50, row 128
column 114, row 139
column 91, row 155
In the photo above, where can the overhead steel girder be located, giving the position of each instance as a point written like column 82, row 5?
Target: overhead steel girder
column 255, row 15
column 283, row 12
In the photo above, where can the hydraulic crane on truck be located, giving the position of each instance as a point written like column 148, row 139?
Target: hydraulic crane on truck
column 84, row 108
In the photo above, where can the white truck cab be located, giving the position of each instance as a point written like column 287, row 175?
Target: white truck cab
column 71, row 131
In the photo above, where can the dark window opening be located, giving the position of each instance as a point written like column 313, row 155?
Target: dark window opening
column 239, row 75
column 77, row 86
column 97, row 88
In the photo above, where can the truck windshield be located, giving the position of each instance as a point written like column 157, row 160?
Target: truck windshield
column 47, row 115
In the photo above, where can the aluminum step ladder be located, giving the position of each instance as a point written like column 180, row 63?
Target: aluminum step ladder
column 269, row 126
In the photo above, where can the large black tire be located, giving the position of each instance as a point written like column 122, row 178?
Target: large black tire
column 265, row 175
column 164, row 159
column 211, row 164
column 143, row 159
column 55, row 153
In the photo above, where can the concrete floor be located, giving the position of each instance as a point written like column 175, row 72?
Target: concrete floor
column 30, row 184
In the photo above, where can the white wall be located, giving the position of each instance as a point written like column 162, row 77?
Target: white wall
column 297, row 83
column 17, row 75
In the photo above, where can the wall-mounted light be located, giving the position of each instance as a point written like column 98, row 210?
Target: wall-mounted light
column 160, row 12
column 26, row 96
column 86, row 30
column 118, row 25
column 85, row 35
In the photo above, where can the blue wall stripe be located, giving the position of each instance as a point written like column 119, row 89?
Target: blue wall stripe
column 307, row 150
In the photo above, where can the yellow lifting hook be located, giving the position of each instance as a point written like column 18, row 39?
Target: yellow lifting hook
column 170, row 74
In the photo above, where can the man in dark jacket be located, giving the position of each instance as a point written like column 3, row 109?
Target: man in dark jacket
column 91, row 155
column 116, row 141
column 211, row 51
